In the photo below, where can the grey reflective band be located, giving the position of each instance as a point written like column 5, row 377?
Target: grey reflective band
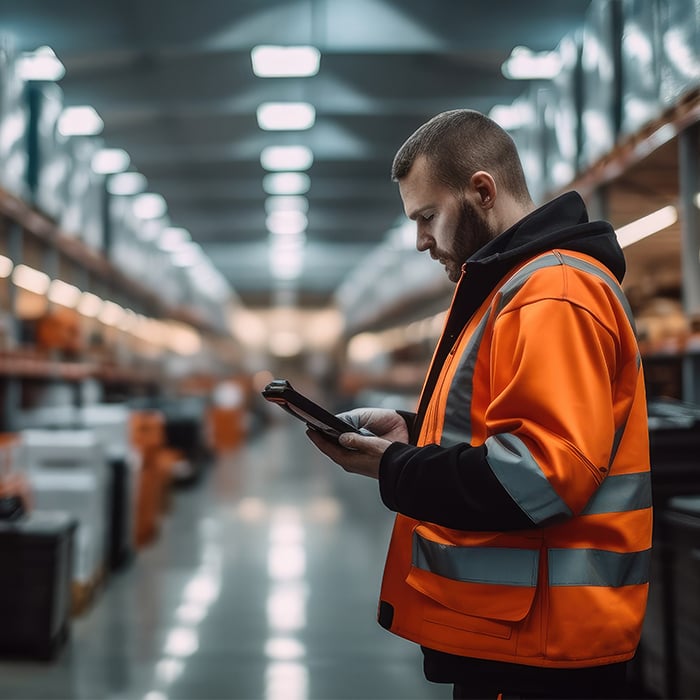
column 610, row 281
column 620, row 493
column 521, row 476
column 495, row 565
column 457, row 427
column 598, row 567
column 513, row 285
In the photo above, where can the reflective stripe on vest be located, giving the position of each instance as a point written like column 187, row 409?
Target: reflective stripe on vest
column 518, row 567
column 597, row 567
column 497, row 565
column 527, row 485
column 529, row 488
column 457, row 427
column 620, row 493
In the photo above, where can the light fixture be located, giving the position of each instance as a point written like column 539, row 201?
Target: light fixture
column 287, row 266
column 291, row 116
column 89, row 304
column 647, row 225
column 286, row 183
column 515, row 116
column 30, row 279
column 65, row 294
column 42, row 64
column 187, row 256
column 525, row 64
column 285, row 244
column 286, row 222
column 150, row 206
column 285, row 61
column 111, row 314
column 287, row 344
column 173, row 238
column 696, row 200
column 286, row 158
column 6, row 266
column 110, row 160
column 286, row 203
column 80, row 121
column 126, row 184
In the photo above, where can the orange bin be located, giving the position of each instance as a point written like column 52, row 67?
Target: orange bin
column 226, row 428
column 147, row 436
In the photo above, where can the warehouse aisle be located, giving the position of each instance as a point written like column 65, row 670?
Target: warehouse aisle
column 262, row 584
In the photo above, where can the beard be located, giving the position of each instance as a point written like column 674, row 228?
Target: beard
column 471, row 234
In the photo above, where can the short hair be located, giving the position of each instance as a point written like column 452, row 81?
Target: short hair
column 460, row 142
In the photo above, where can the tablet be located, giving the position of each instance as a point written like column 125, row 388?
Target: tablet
column 280, row 391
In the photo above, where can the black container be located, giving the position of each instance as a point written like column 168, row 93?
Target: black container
column 36, row 571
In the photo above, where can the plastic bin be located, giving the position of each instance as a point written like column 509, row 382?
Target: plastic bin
column 35, row 584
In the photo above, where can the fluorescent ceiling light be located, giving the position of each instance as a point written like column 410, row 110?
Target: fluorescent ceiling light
column 696, row 200
column 285, row 344
column 647, row 225
column 30, row 279
column 187, row 256
column 292, row 116
column 174, row 238
column 41, row 64
column 6, row 266
column 65, row 294
column 288, row 243
column 286, row 183
column 524, row 64
column 126, row 183
column 89, row 304
column 286, row 203
column 151, row 229
column 286, row 222
column 150, row 206
column 286, row 158
column 285, row 61
column 514, row 116
column 111, row 314
column 110, row 160
column 80, row 121
column 284, row 269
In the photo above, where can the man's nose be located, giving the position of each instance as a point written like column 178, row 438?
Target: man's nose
column 422, row 242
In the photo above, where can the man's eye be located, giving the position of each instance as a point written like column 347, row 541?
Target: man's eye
column 428, row 217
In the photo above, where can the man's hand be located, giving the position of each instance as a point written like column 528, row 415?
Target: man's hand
column 361, row 454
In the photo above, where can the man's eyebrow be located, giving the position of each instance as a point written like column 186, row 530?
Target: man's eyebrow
column 413, row 215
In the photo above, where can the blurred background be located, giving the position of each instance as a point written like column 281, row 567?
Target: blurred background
column 195, row 198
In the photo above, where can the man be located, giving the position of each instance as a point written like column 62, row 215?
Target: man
column 519, row 557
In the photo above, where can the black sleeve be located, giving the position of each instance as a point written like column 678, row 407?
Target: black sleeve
column 450, row 486
column 410, row 419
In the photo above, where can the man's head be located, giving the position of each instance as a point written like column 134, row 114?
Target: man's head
column 461, row 180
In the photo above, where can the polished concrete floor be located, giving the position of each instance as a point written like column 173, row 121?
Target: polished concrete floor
column 262, row 584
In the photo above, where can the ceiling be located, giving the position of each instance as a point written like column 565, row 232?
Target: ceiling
column 174, row 85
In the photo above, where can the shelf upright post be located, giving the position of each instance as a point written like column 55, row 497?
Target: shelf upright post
column 689, row 175
column 12, row 396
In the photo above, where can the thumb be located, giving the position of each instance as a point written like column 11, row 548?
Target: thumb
column 346, row 440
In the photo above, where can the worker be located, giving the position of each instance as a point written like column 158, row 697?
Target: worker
column 520, row 553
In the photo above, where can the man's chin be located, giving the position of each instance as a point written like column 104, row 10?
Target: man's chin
column 453, row 275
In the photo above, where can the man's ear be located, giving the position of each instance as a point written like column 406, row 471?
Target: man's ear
column 483, row 188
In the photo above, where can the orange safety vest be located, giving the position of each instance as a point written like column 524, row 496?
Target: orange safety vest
column 556, row 392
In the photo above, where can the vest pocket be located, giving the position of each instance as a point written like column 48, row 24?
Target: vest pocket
column 484, row 589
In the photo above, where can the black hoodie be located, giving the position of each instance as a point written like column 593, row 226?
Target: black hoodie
column 454, row 486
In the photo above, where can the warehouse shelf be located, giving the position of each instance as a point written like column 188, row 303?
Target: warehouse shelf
column 40, row 226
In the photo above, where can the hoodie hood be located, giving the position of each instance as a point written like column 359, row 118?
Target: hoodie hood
column 562, row 223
